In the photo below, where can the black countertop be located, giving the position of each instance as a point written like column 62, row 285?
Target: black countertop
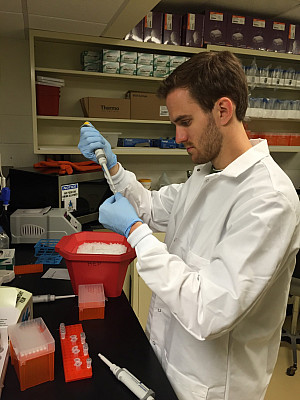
column 118, row 336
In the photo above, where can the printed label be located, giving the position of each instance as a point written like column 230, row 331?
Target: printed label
column 191, row 22
column 168, row 22
column 259, row 23
column 68, row 191
column 237, row 19
column 279, row 26
column 163, row 111
column 148, row 20
column 214, row 16
column 292, row 31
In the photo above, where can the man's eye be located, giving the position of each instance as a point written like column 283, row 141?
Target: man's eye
column 186, row 122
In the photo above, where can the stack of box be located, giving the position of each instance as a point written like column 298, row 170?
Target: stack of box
column 91, row 301
column 91, row 60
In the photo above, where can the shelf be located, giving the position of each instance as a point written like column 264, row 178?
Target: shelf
column 87, row 74
column 132, row 151
column 118, row 120
column 255, row 53
column 284, row 149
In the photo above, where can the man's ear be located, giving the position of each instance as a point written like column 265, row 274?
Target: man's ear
column 224, row 109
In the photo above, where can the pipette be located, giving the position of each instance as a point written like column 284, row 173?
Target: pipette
column 101, row 157
column 45, row 298
column 129, row 380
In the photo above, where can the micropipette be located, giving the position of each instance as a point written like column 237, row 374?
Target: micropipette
column 129, row 380
column 45, row 298
column 101, row 157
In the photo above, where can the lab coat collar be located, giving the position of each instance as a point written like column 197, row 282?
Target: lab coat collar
column 245, row 161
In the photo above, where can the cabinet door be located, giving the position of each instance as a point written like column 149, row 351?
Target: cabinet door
column 140, row 292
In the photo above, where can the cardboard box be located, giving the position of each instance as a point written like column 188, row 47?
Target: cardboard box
column 7, row 259
column 172, row 29
column 145, row 105
column 153, row 27
column 293, row 44
column 105, row 107
column 192, row 30
column 215, row 26
column 238, row 27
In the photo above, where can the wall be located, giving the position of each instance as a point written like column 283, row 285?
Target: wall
column 16, row 143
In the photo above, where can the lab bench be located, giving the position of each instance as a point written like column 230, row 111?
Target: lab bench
column 118, row 336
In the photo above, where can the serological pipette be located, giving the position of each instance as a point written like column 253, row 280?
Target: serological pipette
column 129, row 380
column 101, row 157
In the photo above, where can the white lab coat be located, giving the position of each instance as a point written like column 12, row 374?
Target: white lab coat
column 221, row 280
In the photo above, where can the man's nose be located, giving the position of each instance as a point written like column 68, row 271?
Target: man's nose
column 181, row 135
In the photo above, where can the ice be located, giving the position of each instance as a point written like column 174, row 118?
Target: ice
column 101, row 248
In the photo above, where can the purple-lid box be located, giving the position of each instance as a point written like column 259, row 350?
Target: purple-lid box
column 136, row 33
column 258, row 33
column 153, row 27
column 215, row 25
column 172, row 29
column 277, row 37
column 238, row 27
column 293, row 45
column 192, row 30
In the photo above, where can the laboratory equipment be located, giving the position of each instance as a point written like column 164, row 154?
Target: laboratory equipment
column 100, row 155
column 4, row 239
column 32, row 352
column 85, row 269
column 42, row 187
column 31, row 225
column 76, row 360
column 45, row 298
column 129, row 380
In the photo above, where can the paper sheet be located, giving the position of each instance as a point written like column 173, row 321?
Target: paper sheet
column 57, row 273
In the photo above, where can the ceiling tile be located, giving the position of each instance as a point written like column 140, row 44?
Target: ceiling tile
column 12, row 25
column 99, row 11
column 65, row 25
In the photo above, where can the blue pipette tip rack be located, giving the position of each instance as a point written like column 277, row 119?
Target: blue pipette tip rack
column 45, row 252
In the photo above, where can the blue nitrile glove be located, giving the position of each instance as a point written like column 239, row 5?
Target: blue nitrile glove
column 117, row 214
column 91, row 140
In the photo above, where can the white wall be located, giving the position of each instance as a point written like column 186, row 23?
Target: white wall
column 16, row 142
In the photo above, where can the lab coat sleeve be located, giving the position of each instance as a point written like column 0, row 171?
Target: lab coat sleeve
column 209, row 297
column 153, row 207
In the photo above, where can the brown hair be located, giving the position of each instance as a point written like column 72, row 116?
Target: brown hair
column 208, row 76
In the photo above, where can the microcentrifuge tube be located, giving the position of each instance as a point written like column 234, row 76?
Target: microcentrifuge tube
column 77, row 363
column 73, row 339
column 75, row 350
column 85, row 349
column 88, row 362
column 82, row 337
column 62, row 329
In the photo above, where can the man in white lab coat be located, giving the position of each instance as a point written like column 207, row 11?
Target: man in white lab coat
column 220, row 281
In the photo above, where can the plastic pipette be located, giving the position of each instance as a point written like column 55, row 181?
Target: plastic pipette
column 101, row 157
column 45, row 298
column 129, row 380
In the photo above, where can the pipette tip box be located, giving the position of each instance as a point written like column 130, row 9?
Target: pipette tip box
column 32, row 352
column 91, row 301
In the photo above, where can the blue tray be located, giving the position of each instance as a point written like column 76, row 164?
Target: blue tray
column 45, row 252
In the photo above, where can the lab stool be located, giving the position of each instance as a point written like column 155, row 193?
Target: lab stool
column 293, row 335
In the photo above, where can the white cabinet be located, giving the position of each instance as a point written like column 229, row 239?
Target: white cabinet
column 58, row 55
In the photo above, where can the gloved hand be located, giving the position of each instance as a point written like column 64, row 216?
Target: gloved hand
column 117, row 214
column 91, row 140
